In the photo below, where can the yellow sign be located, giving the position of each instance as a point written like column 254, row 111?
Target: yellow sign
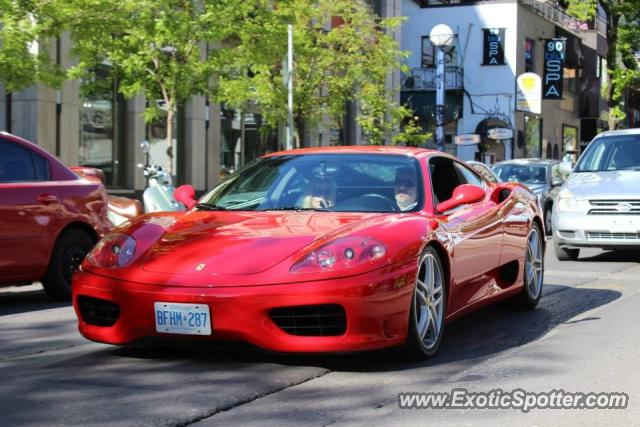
column 529, row 93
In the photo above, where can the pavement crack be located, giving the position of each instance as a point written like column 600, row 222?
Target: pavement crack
column 248, row 400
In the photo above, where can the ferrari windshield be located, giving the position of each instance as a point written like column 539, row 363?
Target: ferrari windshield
column 322, row 182
column 611, row 153
column 531, row 174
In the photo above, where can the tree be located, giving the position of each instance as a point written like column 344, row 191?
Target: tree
column 24, row 38
column 343, row 52
column 155, row 47
column 623, row 40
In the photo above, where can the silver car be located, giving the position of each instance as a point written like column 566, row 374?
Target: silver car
column 599, row 206
column 542, row 176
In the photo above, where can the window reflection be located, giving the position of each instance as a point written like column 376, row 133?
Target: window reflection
column 96, row 122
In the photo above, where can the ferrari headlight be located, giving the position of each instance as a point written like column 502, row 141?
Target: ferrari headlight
column 115, row 250
column 566, row 202
column 341, row 254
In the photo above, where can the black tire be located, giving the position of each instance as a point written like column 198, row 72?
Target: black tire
column 69, row 251
column 531, row 292
column 565, row 254
column 414, row 347
column 548, row 227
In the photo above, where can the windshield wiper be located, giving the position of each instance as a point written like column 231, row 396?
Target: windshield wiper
column 210, row 207
column 297, row 209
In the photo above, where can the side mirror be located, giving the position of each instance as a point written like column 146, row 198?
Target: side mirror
column 565, row 169
column 186, row 195
column 462, row 195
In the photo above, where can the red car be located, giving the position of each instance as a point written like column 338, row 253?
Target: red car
column 319, row 250
column 50, row 218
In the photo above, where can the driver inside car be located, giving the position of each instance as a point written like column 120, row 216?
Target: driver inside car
column 406, row 192
column 320, row 194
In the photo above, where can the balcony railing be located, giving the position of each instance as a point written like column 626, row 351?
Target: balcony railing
column 425, row 79
column 549, row 11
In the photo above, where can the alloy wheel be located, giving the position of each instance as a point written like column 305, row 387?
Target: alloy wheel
column 429, row 302
column 533, row 267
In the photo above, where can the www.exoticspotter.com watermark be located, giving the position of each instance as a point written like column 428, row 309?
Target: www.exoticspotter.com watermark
column 525, row 401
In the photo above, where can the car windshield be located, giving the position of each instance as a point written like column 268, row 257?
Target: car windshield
column 322, row 182
column 611, row 153
column 531, row 174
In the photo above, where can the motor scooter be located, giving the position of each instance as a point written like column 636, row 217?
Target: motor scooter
column 158, row 195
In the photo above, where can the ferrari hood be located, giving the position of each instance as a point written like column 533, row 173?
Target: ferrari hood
column 237, row 243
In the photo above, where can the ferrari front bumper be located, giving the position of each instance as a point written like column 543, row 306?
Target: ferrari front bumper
column 376, row 306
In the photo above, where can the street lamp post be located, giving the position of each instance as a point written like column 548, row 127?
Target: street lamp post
column 441, row 37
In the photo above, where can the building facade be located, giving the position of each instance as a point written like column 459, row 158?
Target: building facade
column 496, row 42
column 99, row 128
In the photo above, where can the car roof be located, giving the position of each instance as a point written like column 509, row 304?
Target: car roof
column 633, row 131
column 529, row 161
column 361, row 149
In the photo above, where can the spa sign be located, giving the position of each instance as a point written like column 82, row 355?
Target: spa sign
column 553, row 76
column 493, row 51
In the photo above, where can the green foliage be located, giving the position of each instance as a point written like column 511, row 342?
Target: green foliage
column 24, row 39
column 584, row 10
column 234, row 50
column 157, row 47
column 334, row 65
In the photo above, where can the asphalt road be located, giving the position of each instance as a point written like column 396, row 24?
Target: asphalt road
column 583, row 337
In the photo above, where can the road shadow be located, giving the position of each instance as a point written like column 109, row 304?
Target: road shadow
column 626, row 255
column 26, row 299
column 484, row 333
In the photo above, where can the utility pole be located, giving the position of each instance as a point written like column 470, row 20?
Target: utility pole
column 290, row 129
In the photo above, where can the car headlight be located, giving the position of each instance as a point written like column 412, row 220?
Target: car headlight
column 566, row 202
column 343, row 253
column 115, row 250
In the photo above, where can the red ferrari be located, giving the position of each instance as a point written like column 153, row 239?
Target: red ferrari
column 319, row 250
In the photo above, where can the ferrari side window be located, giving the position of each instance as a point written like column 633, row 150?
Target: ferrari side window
column 444, row 178
column 469, row 176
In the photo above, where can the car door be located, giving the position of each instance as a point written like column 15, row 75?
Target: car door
column 475, row 230
column 29, row 203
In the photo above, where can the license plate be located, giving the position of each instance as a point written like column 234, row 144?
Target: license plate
column 623, row 226
column 186, row 319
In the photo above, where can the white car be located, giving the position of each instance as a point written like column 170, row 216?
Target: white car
column 599, row 205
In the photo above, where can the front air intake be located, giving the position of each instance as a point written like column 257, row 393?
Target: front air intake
column 98, row 312
column 311, row 320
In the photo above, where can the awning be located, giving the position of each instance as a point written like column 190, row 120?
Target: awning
column 490, row 123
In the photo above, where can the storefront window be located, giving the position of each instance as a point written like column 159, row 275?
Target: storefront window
column 532, row 136
column 529, row 55
column 243, row 139
column 97, row 148
column 429, row 55
column 570, row 142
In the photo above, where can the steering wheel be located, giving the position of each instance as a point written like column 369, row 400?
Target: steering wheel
column 379, row 199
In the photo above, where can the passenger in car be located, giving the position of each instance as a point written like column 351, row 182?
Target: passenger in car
column 406, row 191
column 320, row 194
